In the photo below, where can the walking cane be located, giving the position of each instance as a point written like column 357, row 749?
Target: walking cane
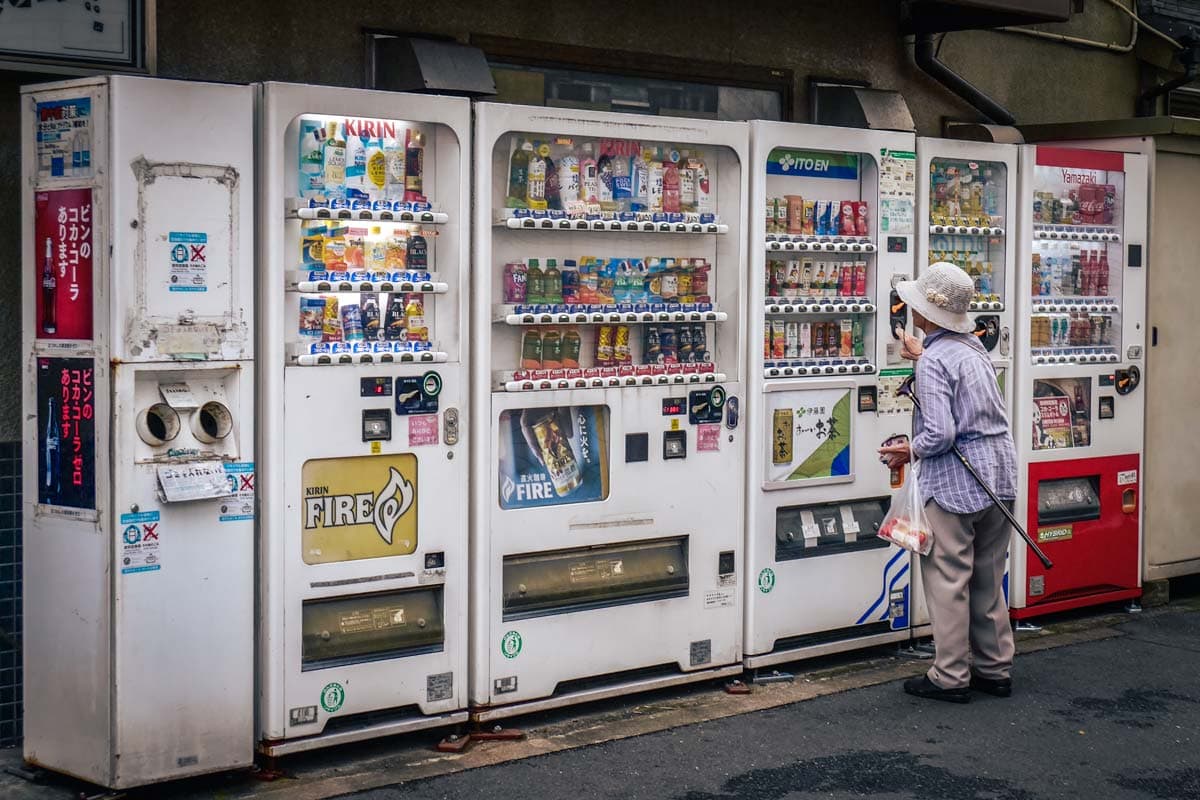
column 906, row 390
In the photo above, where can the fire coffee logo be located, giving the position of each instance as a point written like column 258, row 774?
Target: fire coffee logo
column 383, row 510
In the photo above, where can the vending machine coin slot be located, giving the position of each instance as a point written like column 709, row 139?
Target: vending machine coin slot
column 1128, row 380
column 376, row 424
column 637, row 447
column 674, row 445
column 898, row 314
column 705, row 406
column 435, row 561
column 987, row 330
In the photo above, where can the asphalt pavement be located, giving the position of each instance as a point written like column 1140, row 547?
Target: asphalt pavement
column 1113, row 718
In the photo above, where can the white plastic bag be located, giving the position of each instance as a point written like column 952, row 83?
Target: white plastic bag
column 906, row 524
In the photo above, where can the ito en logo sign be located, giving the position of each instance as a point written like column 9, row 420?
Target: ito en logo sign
column 332, row 697
column 766, row 580
column 510, row 645
column 358, row 507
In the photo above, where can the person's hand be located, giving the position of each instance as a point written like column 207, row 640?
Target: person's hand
column 896, row 455
column 910, row 346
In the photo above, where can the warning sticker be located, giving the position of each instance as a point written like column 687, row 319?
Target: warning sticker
column 240, row 505
column 718, row 598
column 1126, row 477
column 422, row 430
column 189, row 261
column 708, row 438
column 139, row 542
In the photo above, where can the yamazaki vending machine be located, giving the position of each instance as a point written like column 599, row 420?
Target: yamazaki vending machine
column 1080, row 350
column 608, row 289
column 832, row 230
column 139, row 428
column 967, row 212
column 363, row 226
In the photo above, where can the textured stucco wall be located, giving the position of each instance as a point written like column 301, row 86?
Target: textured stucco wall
column 321, row 42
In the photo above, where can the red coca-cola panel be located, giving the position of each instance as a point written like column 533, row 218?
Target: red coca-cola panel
column 62, row 269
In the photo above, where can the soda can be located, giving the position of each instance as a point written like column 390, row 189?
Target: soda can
column 781, row 440
column 806, row 345
column 792, row 340
column 776, row 275
column 700, row 344
column 846, row 348
column 622, row 354
column 352, row 322
column 686, row 353
column 818, row 340
column 778, row 340
column 810, row 218
column 605, row 334
column 670, row 344
column 767, row 340
column 652, row 345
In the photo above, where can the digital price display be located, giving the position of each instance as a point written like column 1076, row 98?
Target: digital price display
column 674, row 406
column 66, row 402
column 375, row 387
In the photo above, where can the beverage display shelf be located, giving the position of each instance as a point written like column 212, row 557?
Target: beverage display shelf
column 966, row 230
column 588, row 315
column 1066, row 305
column 1076, row 233
column 986, row 305
column 297, row 210
column 819, row 305
column 302, row 355
column 610, row 225
column 783, row 242
column 299, row 282
column 807, row 367
column 626, row 377
column 1075, row 355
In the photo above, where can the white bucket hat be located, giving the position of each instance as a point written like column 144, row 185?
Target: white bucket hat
column 942, row 294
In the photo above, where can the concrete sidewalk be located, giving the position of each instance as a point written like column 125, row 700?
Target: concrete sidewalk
column 1107, row 705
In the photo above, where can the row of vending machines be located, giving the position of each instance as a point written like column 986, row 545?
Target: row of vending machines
column 352, row 413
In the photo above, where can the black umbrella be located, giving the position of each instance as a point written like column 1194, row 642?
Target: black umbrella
column 906, row 390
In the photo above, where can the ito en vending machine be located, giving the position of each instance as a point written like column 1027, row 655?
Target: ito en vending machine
column 832, row 230
column 1079, row 414
column 138, row 386
column 607, row 506
column 967, row 209
column 363, row 232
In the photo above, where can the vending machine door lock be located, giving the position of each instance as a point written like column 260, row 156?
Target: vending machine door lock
column 450, row 426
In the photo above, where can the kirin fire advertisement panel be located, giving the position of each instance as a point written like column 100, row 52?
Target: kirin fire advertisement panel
column 63, row 270
column 553, row 456
column 359, row 507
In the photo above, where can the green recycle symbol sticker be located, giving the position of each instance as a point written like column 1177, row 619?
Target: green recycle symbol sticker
column 766, row 580
column 510, row 645
column 332, row 697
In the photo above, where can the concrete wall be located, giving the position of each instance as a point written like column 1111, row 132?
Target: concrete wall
column 321, row 42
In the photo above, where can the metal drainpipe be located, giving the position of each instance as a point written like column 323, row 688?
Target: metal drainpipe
column 1147, row 102
column 929, row 63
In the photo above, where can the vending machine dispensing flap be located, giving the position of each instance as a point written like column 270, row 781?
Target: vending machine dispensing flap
column 1068, row 500
column 592, row 577
column 368, row 627
column 828, row 528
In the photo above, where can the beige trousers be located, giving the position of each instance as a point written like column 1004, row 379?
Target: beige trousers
column 963, row 577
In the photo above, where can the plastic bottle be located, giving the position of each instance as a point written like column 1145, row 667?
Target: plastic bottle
column 418, row 253
column 518, row 174
column 671, row 192
column 535, row 189
column 1102, row 282
column 639, row 183
column 568, row 181
column 414, row 166
column 654, row 181
column 375, row 177
column 553, row 192
column 553, row 282
column 81, row 153
column 393, row 156
column 687, row 182
column 312, row 155
column 703, row 195
column 333, row 163
column 356, row 169
column 396, row 258
column 535, row 283
column 589, row 177
column 414, row 316
column 608, row 190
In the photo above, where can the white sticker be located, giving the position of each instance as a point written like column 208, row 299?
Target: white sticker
column 727, row 580
column 239, row 505
column 189, row 261
column 718, row 598
column 177, row 395
column 139, row 542
column 197, row 480
column 1126, row 477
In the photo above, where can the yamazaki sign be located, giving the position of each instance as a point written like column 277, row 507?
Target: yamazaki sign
column 1080, row 166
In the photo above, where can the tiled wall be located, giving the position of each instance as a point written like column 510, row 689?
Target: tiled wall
column 10, row 593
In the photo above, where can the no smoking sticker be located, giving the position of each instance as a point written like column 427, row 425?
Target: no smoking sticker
column 139, row 542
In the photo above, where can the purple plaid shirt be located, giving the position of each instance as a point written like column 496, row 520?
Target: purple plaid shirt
column 961, row 404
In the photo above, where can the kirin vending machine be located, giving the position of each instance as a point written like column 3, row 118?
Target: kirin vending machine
column 607, row 508
column 967, row 208
column 363, row 233
column 1080, row 349
column 832, row 229
column 139, row 432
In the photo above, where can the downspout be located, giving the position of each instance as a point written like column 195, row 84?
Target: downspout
column 1147, row 103
column 927, row 60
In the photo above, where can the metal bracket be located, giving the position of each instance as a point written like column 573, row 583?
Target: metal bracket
column 461, row 743
column 1134, row 607
column 1025, row 626
column 775, row 676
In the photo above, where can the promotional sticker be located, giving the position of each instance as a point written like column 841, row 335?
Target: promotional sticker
column 66, row 413
column 140, row 534
column 422, row 430
column 62, row 270
column 64, row 138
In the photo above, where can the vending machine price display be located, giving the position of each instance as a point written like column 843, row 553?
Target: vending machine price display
column 674, row 406
column 375, row 387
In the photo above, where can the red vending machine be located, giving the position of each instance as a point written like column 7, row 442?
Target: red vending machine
column 1080, row 351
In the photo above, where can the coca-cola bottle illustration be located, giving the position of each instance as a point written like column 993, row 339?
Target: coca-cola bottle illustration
column 53, row 447
column 49, row 290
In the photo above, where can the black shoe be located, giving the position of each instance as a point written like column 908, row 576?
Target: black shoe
column 996, row 687
column 923, row 687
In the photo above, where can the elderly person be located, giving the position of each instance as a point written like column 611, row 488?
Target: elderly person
column 961, row 404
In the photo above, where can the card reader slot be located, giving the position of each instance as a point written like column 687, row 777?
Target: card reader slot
column 565, row 581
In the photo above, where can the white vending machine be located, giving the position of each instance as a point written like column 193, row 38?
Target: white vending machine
column 137, row 240
column 967, row 208
column 607, row 508
column 363, row 234
column 832, row 230
column 1080, row 411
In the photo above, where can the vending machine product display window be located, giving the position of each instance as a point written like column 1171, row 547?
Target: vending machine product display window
column 967, row 218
